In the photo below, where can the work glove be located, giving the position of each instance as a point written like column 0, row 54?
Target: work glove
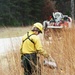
column 50, row 62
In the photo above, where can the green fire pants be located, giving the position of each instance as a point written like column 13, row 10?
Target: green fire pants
column 30, row 62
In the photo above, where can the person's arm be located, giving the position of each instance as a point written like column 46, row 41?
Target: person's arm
column 40, row 49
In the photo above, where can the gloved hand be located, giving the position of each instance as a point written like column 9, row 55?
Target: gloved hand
column 50, row 59
column 50, row 62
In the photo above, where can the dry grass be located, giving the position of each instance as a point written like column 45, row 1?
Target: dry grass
column 13, row 31
column 63, row 51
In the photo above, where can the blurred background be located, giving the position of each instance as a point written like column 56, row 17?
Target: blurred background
column 25, row 12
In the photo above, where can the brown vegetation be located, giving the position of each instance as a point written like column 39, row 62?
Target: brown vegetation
column 62, row 50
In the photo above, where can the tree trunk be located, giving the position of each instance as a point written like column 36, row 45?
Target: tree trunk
column 72, row 9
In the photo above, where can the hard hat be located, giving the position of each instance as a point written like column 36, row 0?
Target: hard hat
column 39, row 26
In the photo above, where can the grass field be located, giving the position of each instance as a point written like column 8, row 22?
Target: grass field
column 63, row 51
column 6, row 32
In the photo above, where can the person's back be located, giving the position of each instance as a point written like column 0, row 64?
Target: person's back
column 28, row 46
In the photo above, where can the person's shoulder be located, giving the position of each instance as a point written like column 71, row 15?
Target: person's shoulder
column 24, row 36
column 34, row 36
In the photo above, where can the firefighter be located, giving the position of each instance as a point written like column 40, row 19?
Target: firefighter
column 31, row 46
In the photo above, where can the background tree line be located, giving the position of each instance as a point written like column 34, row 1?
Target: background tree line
column 25, row 12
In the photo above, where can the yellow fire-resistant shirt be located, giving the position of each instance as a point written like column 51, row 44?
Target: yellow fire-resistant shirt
column 28, row 47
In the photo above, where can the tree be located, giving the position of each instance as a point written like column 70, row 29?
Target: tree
column 48, row 9
column 72, row 9
column 21, row 9
column 63, row 6
column 4, row 11
column 37, row 9
column 14, row 12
